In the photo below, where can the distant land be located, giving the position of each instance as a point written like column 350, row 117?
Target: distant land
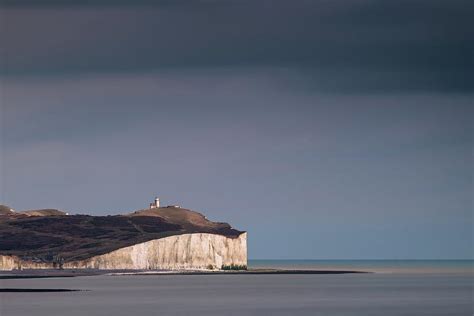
column 170, row 237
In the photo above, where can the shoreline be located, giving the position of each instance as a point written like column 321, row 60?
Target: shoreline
column 42, row 274
column 242, row 272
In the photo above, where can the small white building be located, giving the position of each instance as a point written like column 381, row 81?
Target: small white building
column 155, row 204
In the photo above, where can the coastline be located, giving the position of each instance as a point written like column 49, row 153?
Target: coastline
column 272, row 267
column 43, row 274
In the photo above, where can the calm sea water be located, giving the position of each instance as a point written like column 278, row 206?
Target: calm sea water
column 400, row 293
column 380, row 266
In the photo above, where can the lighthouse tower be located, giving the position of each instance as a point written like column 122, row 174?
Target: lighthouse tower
column 155, row 204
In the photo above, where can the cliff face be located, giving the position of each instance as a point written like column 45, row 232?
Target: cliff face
column 165, row 238
column 181, row 252
column 189, row 251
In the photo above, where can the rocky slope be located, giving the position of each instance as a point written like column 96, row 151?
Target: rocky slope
column 163, row 238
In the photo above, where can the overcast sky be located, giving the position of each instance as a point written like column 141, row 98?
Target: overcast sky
column 326, row 129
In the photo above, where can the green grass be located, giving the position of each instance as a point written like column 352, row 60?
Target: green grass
column 234, row 267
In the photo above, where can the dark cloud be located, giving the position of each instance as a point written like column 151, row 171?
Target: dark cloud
column 98, row 3
column 356, row 45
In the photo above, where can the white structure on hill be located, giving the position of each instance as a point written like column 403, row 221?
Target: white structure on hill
column 155, row 204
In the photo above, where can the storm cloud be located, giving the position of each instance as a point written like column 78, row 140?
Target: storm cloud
column 358, row 45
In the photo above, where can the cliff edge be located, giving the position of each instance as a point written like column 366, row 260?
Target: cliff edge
column 159, row 238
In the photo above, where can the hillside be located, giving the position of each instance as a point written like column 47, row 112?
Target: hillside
column 46, row 235
column 44, row 212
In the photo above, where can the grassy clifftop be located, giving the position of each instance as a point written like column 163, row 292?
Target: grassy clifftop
column 46, row 235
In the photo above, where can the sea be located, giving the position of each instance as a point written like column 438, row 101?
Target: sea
column 379, row 266
column 394, row 287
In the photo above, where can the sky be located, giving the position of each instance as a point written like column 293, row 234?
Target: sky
column 325, row 129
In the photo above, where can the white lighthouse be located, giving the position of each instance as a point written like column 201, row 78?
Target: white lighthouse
column 155, row 204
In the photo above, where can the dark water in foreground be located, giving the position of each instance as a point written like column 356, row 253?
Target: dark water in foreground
column 398, row 293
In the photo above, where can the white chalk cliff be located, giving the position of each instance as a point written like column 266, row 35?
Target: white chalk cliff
column 179, row 252
column 170, row 237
